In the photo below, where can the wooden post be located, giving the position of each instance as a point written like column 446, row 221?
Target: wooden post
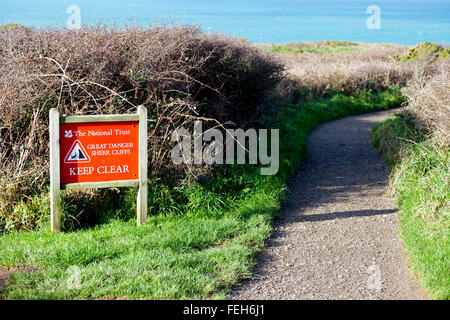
column 55, row 200
column 143, row 161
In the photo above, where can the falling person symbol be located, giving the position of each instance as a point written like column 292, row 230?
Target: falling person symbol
column 77, row 154
column 80, row 155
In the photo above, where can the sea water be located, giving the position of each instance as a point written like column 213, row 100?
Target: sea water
column 267, row 21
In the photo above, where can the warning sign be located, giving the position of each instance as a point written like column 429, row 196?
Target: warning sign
column 99, row 151
column 77, row 154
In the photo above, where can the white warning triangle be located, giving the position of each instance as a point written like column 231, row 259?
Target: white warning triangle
column 77, row 154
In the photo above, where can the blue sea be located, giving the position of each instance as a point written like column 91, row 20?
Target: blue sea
column 264, row 21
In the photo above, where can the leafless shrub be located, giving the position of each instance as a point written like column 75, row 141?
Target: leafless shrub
column 428, row 96
column 372, row 66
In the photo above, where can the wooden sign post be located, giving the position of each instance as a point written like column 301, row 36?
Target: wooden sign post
column 102, row 151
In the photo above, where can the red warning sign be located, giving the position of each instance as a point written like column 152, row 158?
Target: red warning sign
column 99, row 151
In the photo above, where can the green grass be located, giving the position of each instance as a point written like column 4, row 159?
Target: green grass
column 421, row 181
column 196, row 250
column 320, row 48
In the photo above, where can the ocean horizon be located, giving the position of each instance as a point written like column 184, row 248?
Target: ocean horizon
column 260, row 21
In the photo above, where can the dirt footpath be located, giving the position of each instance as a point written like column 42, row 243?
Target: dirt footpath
column 6, row 272
column 337, row 238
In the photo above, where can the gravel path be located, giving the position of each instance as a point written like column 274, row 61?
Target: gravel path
column 337, row 237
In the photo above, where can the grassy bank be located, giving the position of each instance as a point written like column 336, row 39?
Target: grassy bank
column 200, row 249
column 416, row 144
column 420, row 180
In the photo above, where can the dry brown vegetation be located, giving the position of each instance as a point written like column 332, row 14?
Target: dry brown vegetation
column 372, row 66
column 428, row 96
